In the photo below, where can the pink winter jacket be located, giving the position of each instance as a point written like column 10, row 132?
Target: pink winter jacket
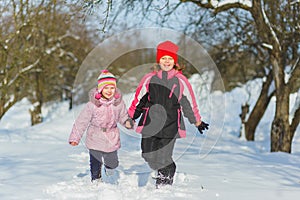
column 99, row 120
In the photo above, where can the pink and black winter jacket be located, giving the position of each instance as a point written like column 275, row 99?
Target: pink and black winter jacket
column 160, row 99
column 99, row 120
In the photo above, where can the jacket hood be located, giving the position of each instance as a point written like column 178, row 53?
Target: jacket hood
column 116, row 100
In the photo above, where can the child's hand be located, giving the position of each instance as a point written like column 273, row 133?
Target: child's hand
column 129, row 123
column 198, row 123
column 73, row 143
column 203, row 126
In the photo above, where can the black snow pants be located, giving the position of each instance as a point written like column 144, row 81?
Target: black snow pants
column 158, row 152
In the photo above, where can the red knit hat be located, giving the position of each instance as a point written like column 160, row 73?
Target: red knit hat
column 167, row 48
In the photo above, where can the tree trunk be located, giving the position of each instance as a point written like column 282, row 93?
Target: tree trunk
column 36, row 111
column 280, row 131
column 281, row 137
column 259, row 109
column 36, row 114
column 243, row 115
column 296, row 118
column 70, row 100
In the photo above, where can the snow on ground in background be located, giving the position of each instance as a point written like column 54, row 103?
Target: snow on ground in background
column 37, row 162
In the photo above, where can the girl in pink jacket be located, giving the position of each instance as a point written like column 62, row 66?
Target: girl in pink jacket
column 99, row 120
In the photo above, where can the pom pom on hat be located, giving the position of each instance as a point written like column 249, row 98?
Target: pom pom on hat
column 98, row 95
column 104, row 79
column 167, row 48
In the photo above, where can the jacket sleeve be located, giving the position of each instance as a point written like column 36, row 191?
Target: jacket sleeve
column 139, row 108
column 123, row 117
column 81, row 123
column 134, row 110
column 188, row 101
column 187, row 110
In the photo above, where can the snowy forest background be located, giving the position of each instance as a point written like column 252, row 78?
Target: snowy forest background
column 44, row 43
column 242, row 57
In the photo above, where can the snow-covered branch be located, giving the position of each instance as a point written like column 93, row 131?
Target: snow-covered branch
column 268, row 46
column 295, row 65
column 267, row 22
column 227, row 4
column 294, row 2
column 68, row 34
column 220, row 6
column 29, row 67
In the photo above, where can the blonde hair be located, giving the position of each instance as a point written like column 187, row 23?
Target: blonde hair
column 179, row 67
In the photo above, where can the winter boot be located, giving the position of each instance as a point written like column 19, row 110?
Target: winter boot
column 166, row 175
column 170, row 172
column 160, row 179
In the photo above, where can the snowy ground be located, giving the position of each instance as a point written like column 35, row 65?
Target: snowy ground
column 37, row 162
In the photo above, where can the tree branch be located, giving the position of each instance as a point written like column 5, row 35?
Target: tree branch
column 296, row 118
column 295, row 74
column 29, row 67
column 269, row 26
column 222, row 5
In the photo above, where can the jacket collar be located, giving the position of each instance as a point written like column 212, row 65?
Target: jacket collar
column 170, row 74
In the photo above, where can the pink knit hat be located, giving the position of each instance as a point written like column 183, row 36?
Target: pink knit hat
column 104, row 79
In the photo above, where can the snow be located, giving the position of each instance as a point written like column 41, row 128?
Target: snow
column 217, row 3
column 269, row 46
column 294, row 2
column 38, row 163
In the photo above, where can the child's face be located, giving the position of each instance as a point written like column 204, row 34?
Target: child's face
column 166, row 63
column 108, row 91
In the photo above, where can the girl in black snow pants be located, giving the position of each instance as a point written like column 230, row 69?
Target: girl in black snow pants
column 162, row 97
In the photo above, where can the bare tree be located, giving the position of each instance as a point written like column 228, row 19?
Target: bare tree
column 43, row 45
column 276, row 27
